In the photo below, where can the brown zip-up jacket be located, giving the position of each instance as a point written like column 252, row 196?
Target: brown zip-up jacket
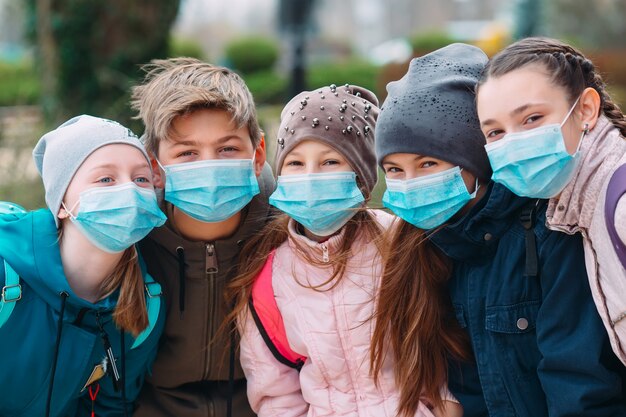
column 190, row 374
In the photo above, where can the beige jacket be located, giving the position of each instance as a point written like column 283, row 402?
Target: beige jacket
column 580, row 208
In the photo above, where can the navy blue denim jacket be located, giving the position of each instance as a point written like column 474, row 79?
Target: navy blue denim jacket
column 539, row 345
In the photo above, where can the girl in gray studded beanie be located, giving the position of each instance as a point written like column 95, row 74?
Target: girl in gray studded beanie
column 473, row 268
column 316, row 269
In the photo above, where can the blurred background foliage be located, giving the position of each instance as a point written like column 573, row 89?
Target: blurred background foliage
column 84, row 56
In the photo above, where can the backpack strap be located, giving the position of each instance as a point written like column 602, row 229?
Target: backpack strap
column 11, row 292
column 268, row 319
column 527, row 218
column 615, row 190
column 153, row 305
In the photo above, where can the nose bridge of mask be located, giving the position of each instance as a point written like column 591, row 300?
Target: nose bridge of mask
column 103, row 190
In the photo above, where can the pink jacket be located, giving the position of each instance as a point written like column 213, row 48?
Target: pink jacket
column 580, row 208
column 332, row 328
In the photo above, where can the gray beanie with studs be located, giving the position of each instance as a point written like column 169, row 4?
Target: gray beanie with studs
column 60, row 153
column 341, row 117
column 431, row 110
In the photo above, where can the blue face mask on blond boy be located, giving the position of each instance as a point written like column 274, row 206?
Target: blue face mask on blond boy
column 211, row 190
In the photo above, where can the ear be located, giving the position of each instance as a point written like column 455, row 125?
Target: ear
column 62, row 214
column 158, row 177
column 259, row 156
column 589, row 108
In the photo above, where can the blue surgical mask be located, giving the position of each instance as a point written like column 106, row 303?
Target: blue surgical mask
column 429, row 201
column 322, row 203
column 114, row 218
column 534, row 163
column 211, row 190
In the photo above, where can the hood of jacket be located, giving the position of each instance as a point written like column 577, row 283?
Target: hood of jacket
column 29, row 242
column 476, row 235
column 602, row 151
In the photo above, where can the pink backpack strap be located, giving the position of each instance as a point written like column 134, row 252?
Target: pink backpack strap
column 268, row 320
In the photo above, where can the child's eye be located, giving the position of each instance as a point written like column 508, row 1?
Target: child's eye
column 142, row 180
column 532, row 119
column 331, row 162
column 106, row 180
column 428, row 164
column 294, row 163
column 393, row 169
column 493, row 134
column 185, row 153
column 229, row 149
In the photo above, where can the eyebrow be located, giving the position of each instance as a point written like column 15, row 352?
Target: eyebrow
column 191, row 142
column 114, row 166
column 417, row 158
column 297, row 153
column 513, row 112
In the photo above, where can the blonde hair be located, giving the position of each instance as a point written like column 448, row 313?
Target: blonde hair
column 179, row 86
column 130, row 312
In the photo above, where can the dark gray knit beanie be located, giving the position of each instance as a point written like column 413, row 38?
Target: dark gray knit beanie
column 343, row 117
column 431, row 110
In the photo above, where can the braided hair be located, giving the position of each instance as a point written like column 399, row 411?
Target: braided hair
column 566, row 67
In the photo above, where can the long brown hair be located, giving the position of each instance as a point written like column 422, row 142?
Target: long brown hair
column 567, row 67
column 413, row 319
column 130, row 312
column 255, row 252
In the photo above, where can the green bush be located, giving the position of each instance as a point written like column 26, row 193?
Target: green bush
column 252, row 54
column 429, row 41
column 352, row 71
column 267, row 87
column 185, row 47
column 19, row 84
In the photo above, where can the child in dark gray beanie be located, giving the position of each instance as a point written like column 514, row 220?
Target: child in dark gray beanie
column 473, row 242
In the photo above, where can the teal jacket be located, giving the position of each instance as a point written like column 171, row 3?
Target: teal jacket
column 29, row 244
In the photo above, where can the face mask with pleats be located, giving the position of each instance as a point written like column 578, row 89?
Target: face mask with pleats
column 211, row 190
column 114, row 218
column 534, row 163
column 429, row 201
column 322, row 203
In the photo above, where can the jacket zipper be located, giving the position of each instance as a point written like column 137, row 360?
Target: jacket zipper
column 325, row 257
column 211, row 268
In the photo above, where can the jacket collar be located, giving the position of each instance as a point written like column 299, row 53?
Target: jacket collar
column 477, row 233
column 320, row 251
column 601, row 150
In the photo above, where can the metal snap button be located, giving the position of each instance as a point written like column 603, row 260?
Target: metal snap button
column 487, row 236
column 522, row 323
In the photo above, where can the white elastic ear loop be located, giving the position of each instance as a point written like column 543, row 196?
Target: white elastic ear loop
column 569, row 113
column 70, row 211
column 476, row 187
column 159, row 164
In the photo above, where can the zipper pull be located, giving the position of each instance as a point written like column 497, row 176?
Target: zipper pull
column 115, row 375
column 211, row 259
column 325, row 257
